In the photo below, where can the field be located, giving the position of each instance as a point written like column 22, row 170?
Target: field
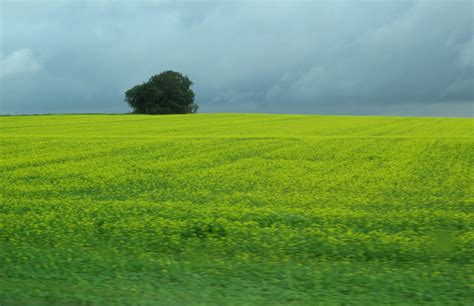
column 230, row 209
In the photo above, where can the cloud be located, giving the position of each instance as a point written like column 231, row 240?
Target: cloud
column 335, row 57
column 19, row 62
column 466, row 54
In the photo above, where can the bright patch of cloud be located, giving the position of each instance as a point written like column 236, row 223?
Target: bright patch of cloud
column 19, row 62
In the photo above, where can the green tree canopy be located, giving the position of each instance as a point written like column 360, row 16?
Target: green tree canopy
column 166, row 93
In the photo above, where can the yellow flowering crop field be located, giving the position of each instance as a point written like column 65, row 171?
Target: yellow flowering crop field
column 236, row 209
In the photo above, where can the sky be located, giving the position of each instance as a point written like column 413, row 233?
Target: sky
column 408, row 58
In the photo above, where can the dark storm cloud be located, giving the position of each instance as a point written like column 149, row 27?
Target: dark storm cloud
column 352, row 57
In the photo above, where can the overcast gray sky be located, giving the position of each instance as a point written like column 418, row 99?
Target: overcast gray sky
column 321, row 57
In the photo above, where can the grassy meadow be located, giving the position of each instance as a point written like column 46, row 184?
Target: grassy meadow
column 232, row 209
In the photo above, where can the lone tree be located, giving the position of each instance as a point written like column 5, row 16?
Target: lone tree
column 166, row 93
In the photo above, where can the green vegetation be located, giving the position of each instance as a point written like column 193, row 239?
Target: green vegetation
column 166, row 93
column 236, row 209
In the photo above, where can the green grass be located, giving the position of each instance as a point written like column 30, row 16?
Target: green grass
column 230, row 209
